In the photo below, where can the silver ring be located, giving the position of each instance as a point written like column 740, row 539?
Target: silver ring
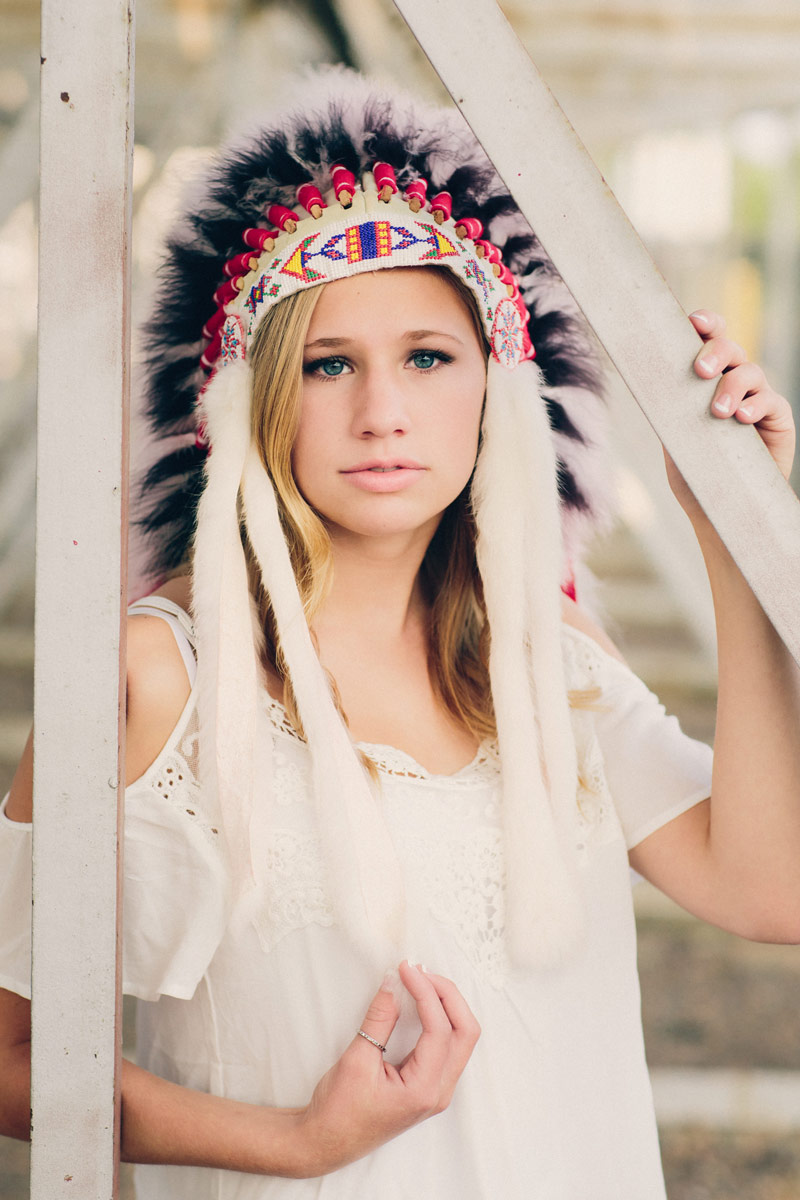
column 371, row 1039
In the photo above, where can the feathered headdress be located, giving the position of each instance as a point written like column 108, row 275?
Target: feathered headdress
column 357, row 180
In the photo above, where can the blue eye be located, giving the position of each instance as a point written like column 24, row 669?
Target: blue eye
column 428, row 360
column 327, row 368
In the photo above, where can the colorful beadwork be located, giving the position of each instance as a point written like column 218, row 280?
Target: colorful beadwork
column 234, row 340
column 374, row 228
column 373, row 239
column 507, row 334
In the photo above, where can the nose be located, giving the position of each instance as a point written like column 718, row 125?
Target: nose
column 380, row 408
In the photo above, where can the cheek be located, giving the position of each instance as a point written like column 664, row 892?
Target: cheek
column 461, row 430
column 309, row 450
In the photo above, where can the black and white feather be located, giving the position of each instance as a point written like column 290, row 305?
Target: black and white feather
column 343, row 118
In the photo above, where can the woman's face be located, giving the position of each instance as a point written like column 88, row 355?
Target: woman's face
column 393, row 384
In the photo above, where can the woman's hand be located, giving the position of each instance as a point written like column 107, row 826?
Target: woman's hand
column 364, row 1101
column 743, row 391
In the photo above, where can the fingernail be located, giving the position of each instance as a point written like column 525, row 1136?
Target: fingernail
column 746, row 409
column 390, row 981
column 708, row 363
column 423, row 968
column 722, row 404
column 700, row 318
column 413, row 966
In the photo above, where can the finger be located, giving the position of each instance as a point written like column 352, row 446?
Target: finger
column 742, row 388
column 719, row 354
column 466, row 1031
column 459, row 1013
column 381, row 1018
column 707, row 323
column 429, row 1055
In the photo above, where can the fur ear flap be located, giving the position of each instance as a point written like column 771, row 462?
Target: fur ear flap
column 519, row 557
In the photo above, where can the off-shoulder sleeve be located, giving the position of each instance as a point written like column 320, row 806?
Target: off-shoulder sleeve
column 653, row 769
column 15, row 904
column 175, row 889
column 175, row 879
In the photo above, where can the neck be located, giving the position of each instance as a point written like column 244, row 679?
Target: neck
column 375, row 587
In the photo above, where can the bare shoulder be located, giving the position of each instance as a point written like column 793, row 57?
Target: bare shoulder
column 572, row 614
column 157, row 689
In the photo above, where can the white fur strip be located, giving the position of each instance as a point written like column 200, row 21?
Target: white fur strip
column 227, row 675
column 362, row 866
column 544, row 910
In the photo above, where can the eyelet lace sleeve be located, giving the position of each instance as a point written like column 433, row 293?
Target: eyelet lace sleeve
column 176, row 884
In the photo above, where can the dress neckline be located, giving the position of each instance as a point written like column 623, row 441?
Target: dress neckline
column 390, row 760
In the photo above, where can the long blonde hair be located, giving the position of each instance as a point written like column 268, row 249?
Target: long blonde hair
column 458, row 630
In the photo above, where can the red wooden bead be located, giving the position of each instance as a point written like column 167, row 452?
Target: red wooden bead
column 469, row 227
column 417, row 188
column 240, row 265
column 212, row 350
column 283, row 217
column 384, row 176
column 213, row 323
column 442, row 206
column 344, row 183
column 491, row 252
column 257, row 238
column 310, row 197
column 228, row 290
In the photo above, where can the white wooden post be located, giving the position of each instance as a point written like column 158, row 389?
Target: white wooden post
column 86, row 151
column 610, row 274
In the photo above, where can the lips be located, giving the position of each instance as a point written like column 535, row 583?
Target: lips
column 383, row 465
column 387, row 475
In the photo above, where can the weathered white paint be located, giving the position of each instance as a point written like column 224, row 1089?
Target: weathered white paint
column 86, row 150
column 624, row 298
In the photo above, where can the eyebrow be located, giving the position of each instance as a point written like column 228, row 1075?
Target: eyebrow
column 413, row 335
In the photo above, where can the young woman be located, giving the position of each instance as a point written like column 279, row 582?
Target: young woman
column 405, row 742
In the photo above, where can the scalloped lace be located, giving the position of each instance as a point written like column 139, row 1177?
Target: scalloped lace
column 391, row 761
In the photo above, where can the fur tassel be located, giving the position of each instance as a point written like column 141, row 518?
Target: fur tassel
column 516, row 513
column 227, row 669
column 363, row 871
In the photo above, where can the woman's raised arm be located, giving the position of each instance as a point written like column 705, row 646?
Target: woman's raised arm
column 736, row 861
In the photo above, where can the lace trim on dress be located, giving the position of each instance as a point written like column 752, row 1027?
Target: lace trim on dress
column 391, row 761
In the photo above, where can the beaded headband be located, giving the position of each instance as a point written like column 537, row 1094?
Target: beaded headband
column 358, row 228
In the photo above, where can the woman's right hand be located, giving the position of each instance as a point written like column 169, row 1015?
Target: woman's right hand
column 364, row 1101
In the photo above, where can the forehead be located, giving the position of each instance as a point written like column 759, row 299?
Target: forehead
column 390, row 299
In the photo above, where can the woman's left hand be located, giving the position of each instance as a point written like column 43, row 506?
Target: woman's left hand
column 743, row 391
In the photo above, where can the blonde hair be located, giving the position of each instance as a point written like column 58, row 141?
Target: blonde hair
column 458, row 631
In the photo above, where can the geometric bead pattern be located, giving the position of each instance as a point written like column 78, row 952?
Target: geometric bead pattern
column 369, row 235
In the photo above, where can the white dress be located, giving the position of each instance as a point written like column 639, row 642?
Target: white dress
column 555, row 1102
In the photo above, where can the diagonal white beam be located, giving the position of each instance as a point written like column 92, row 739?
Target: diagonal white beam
column 623, row 296
column 86, row 149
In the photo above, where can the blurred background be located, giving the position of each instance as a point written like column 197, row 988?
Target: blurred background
column 691, row 109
